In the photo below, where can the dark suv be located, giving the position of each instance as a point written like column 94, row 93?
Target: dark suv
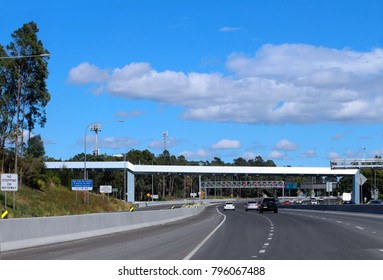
column 268, row 204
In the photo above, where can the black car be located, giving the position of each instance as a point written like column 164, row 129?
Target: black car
column 375, row 202
column 268, row 204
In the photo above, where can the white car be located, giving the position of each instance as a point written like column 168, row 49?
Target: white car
column 229, row 206
column 252, row 205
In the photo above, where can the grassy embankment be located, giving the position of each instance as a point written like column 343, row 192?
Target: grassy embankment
column 58, row 201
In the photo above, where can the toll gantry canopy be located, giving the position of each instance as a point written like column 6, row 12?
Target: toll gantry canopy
column 132, row 170
column 197, row 169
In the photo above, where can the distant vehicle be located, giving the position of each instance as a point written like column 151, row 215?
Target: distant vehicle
column 375, row 202
column 348, row 202
column 229, row 206
column 313, row 201
column 252, row 205
column 286, row 202
column 268, row 204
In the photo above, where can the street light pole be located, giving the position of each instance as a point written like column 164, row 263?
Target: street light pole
column 26, row 56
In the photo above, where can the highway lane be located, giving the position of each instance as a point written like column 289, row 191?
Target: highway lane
column 317, row 235
column 296, row 235
column 169, row 241
column 287, row 235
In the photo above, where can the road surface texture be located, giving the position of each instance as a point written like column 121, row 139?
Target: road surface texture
column 222, row 235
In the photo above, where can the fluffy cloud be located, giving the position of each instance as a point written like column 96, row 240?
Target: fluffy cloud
column 227, row 144
column 199, row 154
column 86, row 73
column 278, row 155
column 309, row 154
column 289, row 83
column 286, row 145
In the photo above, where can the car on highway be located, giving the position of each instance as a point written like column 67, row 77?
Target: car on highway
column 268, row 204
column 375, row 202
column 348, row 202
column 313, row 201
column 252, row 205
column 229, row 206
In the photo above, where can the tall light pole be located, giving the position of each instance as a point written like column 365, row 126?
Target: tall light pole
column 86, row 129
column 125, row 186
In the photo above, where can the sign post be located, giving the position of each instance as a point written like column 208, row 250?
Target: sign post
column 82, row 185
column 9, row 183
column 106, row 189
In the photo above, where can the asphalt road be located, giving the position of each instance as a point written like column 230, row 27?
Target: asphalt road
column 219, row 235
column 296, row 235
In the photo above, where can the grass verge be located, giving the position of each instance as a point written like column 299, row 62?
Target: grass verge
column 57, row 201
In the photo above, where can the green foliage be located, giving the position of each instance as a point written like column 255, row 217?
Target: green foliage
column 35, row 147
column 59, row 201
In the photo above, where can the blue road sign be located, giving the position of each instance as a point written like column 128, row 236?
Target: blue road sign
column 82, row 185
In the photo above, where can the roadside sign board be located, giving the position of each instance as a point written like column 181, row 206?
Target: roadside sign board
column 105, row 189
column 82, row 185
column 155, row 196
column 9, row 182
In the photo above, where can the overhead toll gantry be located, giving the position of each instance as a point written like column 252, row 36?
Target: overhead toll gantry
column 132, row 170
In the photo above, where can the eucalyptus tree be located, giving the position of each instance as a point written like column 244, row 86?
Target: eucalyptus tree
column 25, row 89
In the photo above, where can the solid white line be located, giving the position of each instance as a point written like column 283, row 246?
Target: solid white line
column 381, row 250
column 206, row 238
column 359, row 227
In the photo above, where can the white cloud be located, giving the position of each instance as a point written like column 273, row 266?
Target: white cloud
column 333, row 155
column 199, row 154
column 227, row 144
column 286, row 145
column 230, row 29
column 118, row 142
column 278, row 155
column 159, row 144
column 309, row 154
column 86, row 73
column 249, row 155
column 289, row 83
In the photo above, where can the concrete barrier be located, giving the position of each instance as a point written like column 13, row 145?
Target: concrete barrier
column 30, row 232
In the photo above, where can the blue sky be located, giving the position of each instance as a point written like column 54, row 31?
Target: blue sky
column 297, row 82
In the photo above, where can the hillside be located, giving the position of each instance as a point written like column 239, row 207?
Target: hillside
column 57, row 201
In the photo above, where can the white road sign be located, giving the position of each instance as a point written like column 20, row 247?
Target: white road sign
column 9, row 182
column 105, row 189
